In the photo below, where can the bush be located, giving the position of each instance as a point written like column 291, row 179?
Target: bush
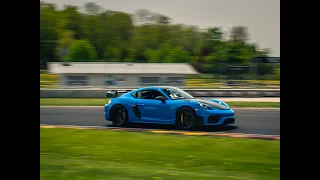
column 47, row 82
column 48, row 77
column 43, row 71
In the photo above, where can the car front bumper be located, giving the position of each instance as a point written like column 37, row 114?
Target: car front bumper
column 106, row 112
column 216, row 117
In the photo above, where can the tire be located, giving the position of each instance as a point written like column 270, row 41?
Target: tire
column 186, row 118
column 119, row 115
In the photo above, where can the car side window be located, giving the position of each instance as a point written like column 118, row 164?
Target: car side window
column 134, row 94
column 150, row 94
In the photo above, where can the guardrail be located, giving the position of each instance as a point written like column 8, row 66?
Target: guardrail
column 100, row 93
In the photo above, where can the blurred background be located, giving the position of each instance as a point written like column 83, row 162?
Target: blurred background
column 88, row 44
column 218, row 49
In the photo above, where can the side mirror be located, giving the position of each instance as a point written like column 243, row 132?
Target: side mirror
column 161, row 98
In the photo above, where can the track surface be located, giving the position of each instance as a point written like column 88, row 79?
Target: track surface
column 249, row 120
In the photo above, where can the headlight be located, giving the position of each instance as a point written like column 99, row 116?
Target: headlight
column 109, row 101
column 221, row 102
column 204, row 106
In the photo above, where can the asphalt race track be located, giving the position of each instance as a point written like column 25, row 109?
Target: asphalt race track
column 248, row 120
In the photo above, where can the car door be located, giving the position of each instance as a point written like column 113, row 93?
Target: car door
column 153, row 110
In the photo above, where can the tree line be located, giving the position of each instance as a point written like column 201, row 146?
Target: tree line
column 91, row 33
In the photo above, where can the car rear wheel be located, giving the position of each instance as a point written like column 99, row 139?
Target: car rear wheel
column 119, row 115
column 186, row 118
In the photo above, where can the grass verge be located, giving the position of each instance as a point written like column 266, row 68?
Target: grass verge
column 102, row 101
column 106, row 154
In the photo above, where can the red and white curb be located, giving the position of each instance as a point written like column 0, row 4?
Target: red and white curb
column 186, row 133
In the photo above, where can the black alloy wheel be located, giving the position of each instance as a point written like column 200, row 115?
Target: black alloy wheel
column 119, row 115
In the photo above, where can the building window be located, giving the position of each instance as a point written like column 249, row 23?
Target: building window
column 121, row 81
column 77, row 80
column 110, row 80
column 149, row 80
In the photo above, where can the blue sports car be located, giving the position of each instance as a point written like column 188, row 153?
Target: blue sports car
column 165, row 105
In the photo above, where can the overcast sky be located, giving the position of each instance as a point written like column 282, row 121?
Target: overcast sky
column 262, row 17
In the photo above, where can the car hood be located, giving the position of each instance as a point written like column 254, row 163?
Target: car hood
column 214, row 103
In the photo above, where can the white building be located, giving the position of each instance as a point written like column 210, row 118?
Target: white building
column 106, row 74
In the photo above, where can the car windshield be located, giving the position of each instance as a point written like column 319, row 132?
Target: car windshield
column 176, row 93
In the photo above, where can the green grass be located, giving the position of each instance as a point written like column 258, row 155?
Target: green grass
column 114, row 155
column 102, row 101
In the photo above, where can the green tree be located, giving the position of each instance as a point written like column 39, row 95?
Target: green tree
column 239, row 34
column 92, row 8
column 81, row 51
column 51, row 25
column 178, row 55
column 74, row 21
column 65, row 40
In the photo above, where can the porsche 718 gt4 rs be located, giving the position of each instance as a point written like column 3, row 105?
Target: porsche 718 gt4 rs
column 165, row 105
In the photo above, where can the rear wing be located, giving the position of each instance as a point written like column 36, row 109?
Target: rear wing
column 115, row 93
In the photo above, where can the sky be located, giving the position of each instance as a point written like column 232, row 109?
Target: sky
column 261, row 17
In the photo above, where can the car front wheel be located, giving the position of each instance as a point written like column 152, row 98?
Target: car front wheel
column 186, row 118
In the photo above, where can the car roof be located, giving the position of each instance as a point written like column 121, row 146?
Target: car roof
column 148, row 87
column 154, row 87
